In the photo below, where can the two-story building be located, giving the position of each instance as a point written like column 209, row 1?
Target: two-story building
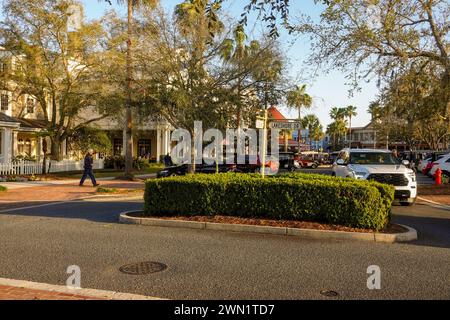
column 22, row 120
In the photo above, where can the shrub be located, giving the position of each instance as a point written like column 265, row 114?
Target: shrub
column 2, row 189
column 359, row 204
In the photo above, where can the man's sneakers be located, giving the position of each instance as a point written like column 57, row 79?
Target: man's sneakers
column 96, row 185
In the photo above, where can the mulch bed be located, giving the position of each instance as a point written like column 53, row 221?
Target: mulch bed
column 391, row 228
column 433, row 190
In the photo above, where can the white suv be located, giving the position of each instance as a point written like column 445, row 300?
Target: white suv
column 381, row 166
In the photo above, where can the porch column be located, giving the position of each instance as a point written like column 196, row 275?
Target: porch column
column 124, row 141
column 7, row 145
column 158, row 145
column 15, row 150
column 167, row 141
column 64, row 148
column 39, row 148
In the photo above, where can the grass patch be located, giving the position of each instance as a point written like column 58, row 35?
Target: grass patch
column 106, row 190
column 3, row 189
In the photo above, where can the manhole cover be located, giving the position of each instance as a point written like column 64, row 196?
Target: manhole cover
column 329, row 293
column 141, row 268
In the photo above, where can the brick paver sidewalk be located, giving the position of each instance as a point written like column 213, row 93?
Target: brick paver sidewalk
column 441, row 199
column 11, row 289
column 17, row 293
column 62, row 192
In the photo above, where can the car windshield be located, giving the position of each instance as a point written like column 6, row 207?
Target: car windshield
column 373, row 158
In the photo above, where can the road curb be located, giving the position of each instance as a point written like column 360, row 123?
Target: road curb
column 90, row 293
column 434, row 204
column 410, row 235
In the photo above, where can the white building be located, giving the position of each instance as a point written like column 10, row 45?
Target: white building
column 22, row 118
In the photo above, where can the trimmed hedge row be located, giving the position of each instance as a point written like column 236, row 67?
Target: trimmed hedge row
column 353, row 203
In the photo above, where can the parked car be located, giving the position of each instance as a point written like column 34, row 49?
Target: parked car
column 272, row 166
column 247, row 167
column 308, row 159
column 287, row 161
column 333, row 157
column 423, row 164
column 440, row 163
column 381, row 166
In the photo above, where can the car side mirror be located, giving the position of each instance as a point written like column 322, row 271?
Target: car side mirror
column 405, row 163
column 340, row 162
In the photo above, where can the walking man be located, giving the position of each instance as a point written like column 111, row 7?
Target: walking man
column 88, row 162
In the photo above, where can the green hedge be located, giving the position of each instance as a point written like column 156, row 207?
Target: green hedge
column 354, row 203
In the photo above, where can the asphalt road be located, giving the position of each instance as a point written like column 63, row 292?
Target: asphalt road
column 39, row 244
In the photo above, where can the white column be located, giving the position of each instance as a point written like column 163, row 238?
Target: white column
column 167, row 141
column 39, row 148
column 164, row 142
column 64, row 149
column 14, row 143
column 7, row 145
column 158, row 145
column 2, row 139
column 124, row 142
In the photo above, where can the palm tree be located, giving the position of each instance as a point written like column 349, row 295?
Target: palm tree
column 350, row 112
column 337, row 113
column 310, row 122
column 374, row 110
column 200, row 19
column 297, row 99
column 317, row 133
column 131, row 6
column 337, row 129
column 235, row 51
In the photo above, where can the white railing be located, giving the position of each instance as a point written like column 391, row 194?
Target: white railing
column 30, row 167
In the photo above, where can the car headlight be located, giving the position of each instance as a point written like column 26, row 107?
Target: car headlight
column 412, row 175
column 358, row 174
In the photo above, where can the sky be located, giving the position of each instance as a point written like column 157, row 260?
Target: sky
column 328, row 90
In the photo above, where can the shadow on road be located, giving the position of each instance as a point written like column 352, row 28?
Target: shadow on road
column 431, row 231
column 98, row 211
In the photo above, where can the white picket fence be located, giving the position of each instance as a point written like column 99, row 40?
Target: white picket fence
column 30, row 167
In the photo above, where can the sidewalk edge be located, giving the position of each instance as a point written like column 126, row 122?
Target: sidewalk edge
column 91, row 293
column 410, row 235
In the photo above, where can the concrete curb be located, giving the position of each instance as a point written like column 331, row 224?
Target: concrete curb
column 410, row 235
column 90, row 293
column 434, row 204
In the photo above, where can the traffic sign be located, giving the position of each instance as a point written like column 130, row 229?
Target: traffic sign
column 259, row 124
column 285, row 125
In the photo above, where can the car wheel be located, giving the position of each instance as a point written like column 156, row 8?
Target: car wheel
column 406, row 204
column 333, row 174
column 257, row 170
column 314, row 166
column 173, row 174
column 292, row 169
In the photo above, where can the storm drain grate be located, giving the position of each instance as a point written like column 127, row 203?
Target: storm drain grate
column 329, row 293
column 142, row 268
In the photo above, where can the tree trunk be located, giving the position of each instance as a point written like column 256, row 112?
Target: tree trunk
column 350, row 132
column 128, row 114
column 44, row 160
column 299, row 130
column 55, row 148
